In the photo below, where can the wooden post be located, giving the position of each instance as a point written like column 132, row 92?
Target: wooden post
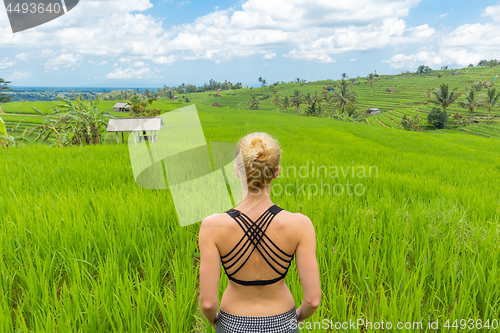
column 123, row 138
column 135, row 140
column 117, row 141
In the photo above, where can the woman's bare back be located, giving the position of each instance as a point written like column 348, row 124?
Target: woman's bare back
column 284, row 231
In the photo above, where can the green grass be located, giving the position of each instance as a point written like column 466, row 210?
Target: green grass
column 86, row 250
column 28, row 119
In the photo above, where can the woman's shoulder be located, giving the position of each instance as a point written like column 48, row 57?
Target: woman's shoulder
column 296, row 217
column 215, row 220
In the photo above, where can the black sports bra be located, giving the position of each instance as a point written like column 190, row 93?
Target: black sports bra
column 255, row 234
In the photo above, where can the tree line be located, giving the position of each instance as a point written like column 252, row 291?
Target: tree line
column 444, row 96
column 171, row 92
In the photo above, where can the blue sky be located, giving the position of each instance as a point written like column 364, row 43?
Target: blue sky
column 146, row 43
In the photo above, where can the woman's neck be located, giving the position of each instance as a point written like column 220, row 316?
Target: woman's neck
column 256, row 198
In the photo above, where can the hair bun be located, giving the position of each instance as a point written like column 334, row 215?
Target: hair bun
column 261, row 156
column 259, row 151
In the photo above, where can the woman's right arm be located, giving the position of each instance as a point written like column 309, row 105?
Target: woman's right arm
column 307, row 267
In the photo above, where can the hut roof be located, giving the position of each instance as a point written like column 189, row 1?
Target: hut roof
column 135, row 124
column 374, row 109
column 454, row 73
column 217, row 95
column 121, row 105
column 390, row 90
column 217, row 105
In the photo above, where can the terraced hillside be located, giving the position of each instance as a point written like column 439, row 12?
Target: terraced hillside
column 409, row 98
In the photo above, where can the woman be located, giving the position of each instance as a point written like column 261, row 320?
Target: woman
column 256, row 243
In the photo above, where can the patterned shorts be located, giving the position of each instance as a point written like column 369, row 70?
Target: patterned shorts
column 281, row 323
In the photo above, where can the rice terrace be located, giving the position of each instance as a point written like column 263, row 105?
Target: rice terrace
column 406, row 209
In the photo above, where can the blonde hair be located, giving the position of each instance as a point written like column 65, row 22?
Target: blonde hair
column 261, row 157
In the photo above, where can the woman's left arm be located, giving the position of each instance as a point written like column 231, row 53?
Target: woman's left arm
column 209, row 270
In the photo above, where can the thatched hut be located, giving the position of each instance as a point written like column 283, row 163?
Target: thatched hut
column 390, row 90
column 136, row 125
column 121, row 107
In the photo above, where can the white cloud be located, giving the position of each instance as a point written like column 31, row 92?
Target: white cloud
column 468, row 43
column 131, row 73
column 352, row 59
column 302, row 54
column 4, row 64
column 306, row 30
column 22, row 56
column 164, row 60
column 65, row 60
column 493, row 12
column 443, row 15
column 311, row 30
column 270, row 55
column 92, row 62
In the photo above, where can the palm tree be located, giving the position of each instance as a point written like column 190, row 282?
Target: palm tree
column 170, row 94
column 342, row 97
column 371, row 80
column 297, row 99
column 314, row 101
column 285, row 103
column 326, row 97
column 492, row 98
column 253, row 103
column 344, row 76
column 444, row 97
column 428, row 94
column 471, row 102
column 276, row 101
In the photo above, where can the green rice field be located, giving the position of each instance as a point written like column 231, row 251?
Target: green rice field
column 407, row 225
column 409, row 98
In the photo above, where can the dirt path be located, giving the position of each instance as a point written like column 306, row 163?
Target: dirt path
column 1, row 111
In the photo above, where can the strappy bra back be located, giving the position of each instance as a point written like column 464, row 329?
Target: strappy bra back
column 255, row 238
